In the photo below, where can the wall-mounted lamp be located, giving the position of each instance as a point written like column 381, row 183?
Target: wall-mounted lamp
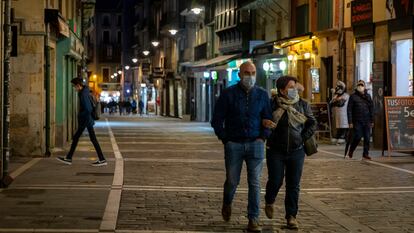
column 290, row 57
column 119, row 72
column 155, row 43
column 115, row 74
column 134, row 60
column 173, row 31
column 307, row 55
column 145, row 52
column 196, row 10
column 112, row 76
column 127, row 67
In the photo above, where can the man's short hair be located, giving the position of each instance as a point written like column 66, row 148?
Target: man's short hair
column 77, row 81
column 283, row 81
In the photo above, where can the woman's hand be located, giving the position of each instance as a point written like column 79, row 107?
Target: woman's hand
column 268, row 124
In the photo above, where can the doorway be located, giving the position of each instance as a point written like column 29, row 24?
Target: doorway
column 304, row 78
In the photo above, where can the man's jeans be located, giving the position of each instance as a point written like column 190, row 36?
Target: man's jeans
column 235, row 154
column 93, row 139
column 279, row 165
column 361, row 130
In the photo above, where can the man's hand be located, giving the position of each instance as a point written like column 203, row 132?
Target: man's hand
column 268, row 124
column 351, row 126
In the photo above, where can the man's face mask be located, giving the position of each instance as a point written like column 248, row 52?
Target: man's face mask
column 248, row 81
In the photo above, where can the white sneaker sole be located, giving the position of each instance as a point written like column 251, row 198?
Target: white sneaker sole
column 99, row 164
column 63, row 161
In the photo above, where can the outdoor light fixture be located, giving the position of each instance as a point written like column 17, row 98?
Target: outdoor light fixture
column 128, row 91
column 266, row 66
column 282, row 65
column 155, row 43
column 196, row 10
column 307, row 55
column 94, row 76
column 119, row 72
column 290, row 57
column 112, row 76
column 145, row 52
column 115, row 74
column 127, row 67
column 173, row 31
column 134, row 60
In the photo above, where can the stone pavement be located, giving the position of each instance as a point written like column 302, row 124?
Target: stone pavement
column 166, row 175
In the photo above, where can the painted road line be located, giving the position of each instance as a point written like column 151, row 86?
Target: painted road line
column 110, row 216
column 175, row 160
column 170, row 143
column 24, row 167
column 335, row 215
column 35, row 230
column 373, row 162
column 171, row 150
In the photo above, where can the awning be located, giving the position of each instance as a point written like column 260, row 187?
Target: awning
column 217, row 61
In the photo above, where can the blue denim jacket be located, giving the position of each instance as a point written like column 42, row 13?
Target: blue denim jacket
column 238, row 115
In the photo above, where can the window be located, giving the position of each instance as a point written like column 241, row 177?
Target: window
column 302, row 19
column 109, row 51
column 119, row 37
column 324, row 14
column 119, row 22
column 105, row 74
column 105, row 21
column 106, row 37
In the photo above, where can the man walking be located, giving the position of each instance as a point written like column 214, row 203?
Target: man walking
column 237, row 122
column 85, row 120
column 360, row 118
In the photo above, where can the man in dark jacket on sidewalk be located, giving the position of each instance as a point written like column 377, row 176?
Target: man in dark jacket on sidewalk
column 237, row 122
column 85, row 120
column 360, row 118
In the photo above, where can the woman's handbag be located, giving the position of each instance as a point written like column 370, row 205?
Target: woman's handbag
column 311, row 146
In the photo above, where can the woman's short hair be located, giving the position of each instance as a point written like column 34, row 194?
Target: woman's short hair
column 283, row 81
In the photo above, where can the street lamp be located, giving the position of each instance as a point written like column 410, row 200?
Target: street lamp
column 196, row 10
column 127, row 67
column 134, row 60
column 112, row 76
column 145, row 52
column 115, row 74
column 119, row 72
column 173, row 31
column 155, row 43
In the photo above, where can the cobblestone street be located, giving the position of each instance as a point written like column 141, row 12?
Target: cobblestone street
column 166, row 175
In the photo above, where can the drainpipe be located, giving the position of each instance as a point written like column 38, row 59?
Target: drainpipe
column 5, row 179
column 47, row 88
column 341, row 71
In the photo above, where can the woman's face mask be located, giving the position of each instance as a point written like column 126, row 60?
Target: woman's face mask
column 292, row 93
column 339, row 90
column 361, row 89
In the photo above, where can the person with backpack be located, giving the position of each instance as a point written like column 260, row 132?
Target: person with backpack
column 85, row 120
column 293, row 124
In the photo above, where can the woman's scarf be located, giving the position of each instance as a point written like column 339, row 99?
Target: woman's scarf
column 295, row 118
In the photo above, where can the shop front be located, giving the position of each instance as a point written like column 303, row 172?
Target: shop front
column 402, row 63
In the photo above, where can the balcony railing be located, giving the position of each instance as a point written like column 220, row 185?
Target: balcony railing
column 110, row 52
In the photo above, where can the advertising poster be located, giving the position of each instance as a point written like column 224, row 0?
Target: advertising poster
column 322, row 115
column 399, row 112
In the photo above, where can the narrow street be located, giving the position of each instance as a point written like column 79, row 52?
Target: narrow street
column 166, row 175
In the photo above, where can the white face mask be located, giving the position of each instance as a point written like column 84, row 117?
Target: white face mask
column 361, row 89
column 292, row 93
column 248, row 81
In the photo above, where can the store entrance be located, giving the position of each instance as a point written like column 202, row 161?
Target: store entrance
column 304, row 78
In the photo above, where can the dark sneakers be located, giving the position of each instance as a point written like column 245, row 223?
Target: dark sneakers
column 254, row 226
column 366, row 157
column 99, row 163
column 226, row 212
column 292, row 223
column 64, row 160
column 269, row 210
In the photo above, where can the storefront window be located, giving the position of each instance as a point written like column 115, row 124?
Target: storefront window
column 402, row 67
column 364, row 59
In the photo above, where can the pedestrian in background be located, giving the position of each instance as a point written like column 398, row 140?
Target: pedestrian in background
column 293, row 124
column 85, row 120
column 360, row 118
column 237, row 122
column 141, row 107
column 339, row 106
